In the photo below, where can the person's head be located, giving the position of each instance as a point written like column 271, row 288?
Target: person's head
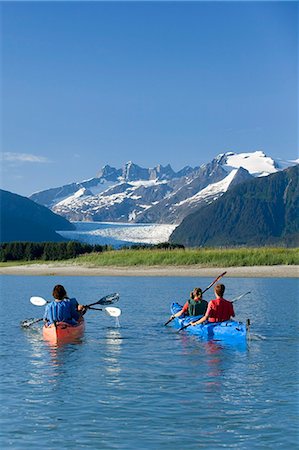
column 219, row 289
column 197, row 293
column 59, row 292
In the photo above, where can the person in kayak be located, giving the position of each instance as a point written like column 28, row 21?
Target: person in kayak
column 63, row 308
column 195, row 306
column 219, row 309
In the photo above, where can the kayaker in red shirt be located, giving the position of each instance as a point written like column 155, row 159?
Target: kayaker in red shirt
column 219, row 310
column 195, row 306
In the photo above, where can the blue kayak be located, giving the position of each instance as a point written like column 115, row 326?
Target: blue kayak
column 228, row 330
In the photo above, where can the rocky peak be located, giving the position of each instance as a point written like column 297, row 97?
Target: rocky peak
column 132, row 172
column 108, row 172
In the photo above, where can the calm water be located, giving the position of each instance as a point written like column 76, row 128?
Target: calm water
column 142, row 385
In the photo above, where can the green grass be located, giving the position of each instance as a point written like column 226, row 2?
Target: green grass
column 177, row 257
column 203, row 257
column 24, row 262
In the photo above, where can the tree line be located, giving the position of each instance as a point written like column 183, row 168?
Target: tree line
column 46, row 251
column 55, row 251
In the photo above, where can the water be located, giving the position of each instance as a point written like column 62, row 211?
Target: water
column 141, row 385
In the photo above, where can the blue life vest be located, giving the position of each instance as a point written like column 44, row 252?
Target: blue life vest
column 62, row 311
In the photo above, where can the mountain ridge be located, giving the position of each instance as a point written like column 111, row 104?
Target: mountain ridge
column 24, row 220
column 155, row 195
column 263, row 211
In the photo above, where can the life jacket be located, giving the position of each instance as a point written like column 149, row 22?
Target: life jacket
column 220, row 310
column 62, row 311
column 197, row 307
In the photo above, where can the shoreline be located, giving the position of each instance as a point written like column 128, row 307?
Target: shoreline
column 279, row 271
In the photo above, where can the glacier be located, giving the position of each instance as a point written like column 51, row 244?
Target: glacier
column 118, row 234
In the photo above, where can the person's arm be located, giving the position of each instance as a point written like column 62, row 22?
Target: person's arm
column 182, row 311
column 46, row 314
column 82, row 310
column 232, row 310
column 201, row 320
column 75, row 309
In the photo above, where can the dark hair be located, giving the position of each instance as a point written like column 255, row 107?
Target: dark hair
column 59, row 292
column 219, row 289
column 197, row 292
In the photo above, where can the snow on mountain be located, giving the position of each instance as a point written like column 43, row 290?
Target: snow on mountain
column 257, row 163
column 211, row 191
column 155, row 195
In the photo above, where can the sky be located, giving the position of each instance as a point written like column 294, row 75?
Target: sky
column 85, row 84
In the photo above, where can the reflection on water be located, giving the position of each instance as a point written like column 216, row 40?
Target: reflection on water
column 144, row 386
column 215, row 357
column 113, row 343
column 48, row 359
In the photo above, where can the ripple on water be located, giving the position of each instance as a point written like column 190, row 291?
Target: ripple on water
column 141, row 385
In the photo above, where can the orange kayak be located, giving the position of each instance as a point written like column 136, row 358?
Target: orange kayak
column 63, row 332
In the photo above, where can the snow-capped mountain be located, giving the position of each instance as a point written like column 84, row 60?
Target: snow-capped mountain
column 155, row 195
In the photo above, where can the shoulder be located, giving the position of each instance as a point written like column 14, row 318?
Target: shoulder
column 227, row 301
column 73, row 301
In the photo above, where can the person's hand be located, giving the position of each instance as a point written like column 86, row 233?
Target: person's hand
column 82, row 309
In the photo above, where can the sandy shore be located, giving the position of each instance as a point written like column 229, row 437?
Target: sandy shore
column 154, row 271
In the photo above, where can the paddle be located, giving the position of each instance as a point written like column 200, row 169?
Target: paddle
column 109, row 310
column 106, row 300
column 206, row 289
column 240, row 296
column 28, row 322
column 232, row 301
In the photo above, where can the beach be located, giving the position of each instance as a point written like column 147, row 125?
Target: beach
column 279, row 271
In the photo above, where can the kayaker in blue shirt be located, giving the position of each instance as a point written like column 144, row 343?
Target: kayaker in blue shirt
column 63, row 308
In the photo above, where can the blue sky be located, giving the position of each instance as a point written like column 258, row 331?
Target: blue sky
column 86, row 84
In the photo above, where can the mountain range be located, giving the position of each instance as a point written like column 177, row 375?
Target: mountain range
column 155, row 195
column 256, row 213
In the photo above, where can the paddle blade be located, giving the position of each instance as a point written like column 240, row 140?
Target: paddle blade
column 109, row 299
column 38, row 301
column 112, row 311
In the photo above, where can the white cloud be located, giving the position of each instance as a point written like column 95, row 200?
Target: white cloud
column 23, row 158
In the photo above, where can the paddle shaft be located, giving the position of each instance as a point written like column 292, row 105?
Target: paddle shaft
column 205, row 290
column 32, row 323
column 213, row 282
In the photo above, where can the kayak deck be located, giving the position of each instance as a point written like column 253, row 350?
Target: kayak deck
column 63, row 331
column 228, row 330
